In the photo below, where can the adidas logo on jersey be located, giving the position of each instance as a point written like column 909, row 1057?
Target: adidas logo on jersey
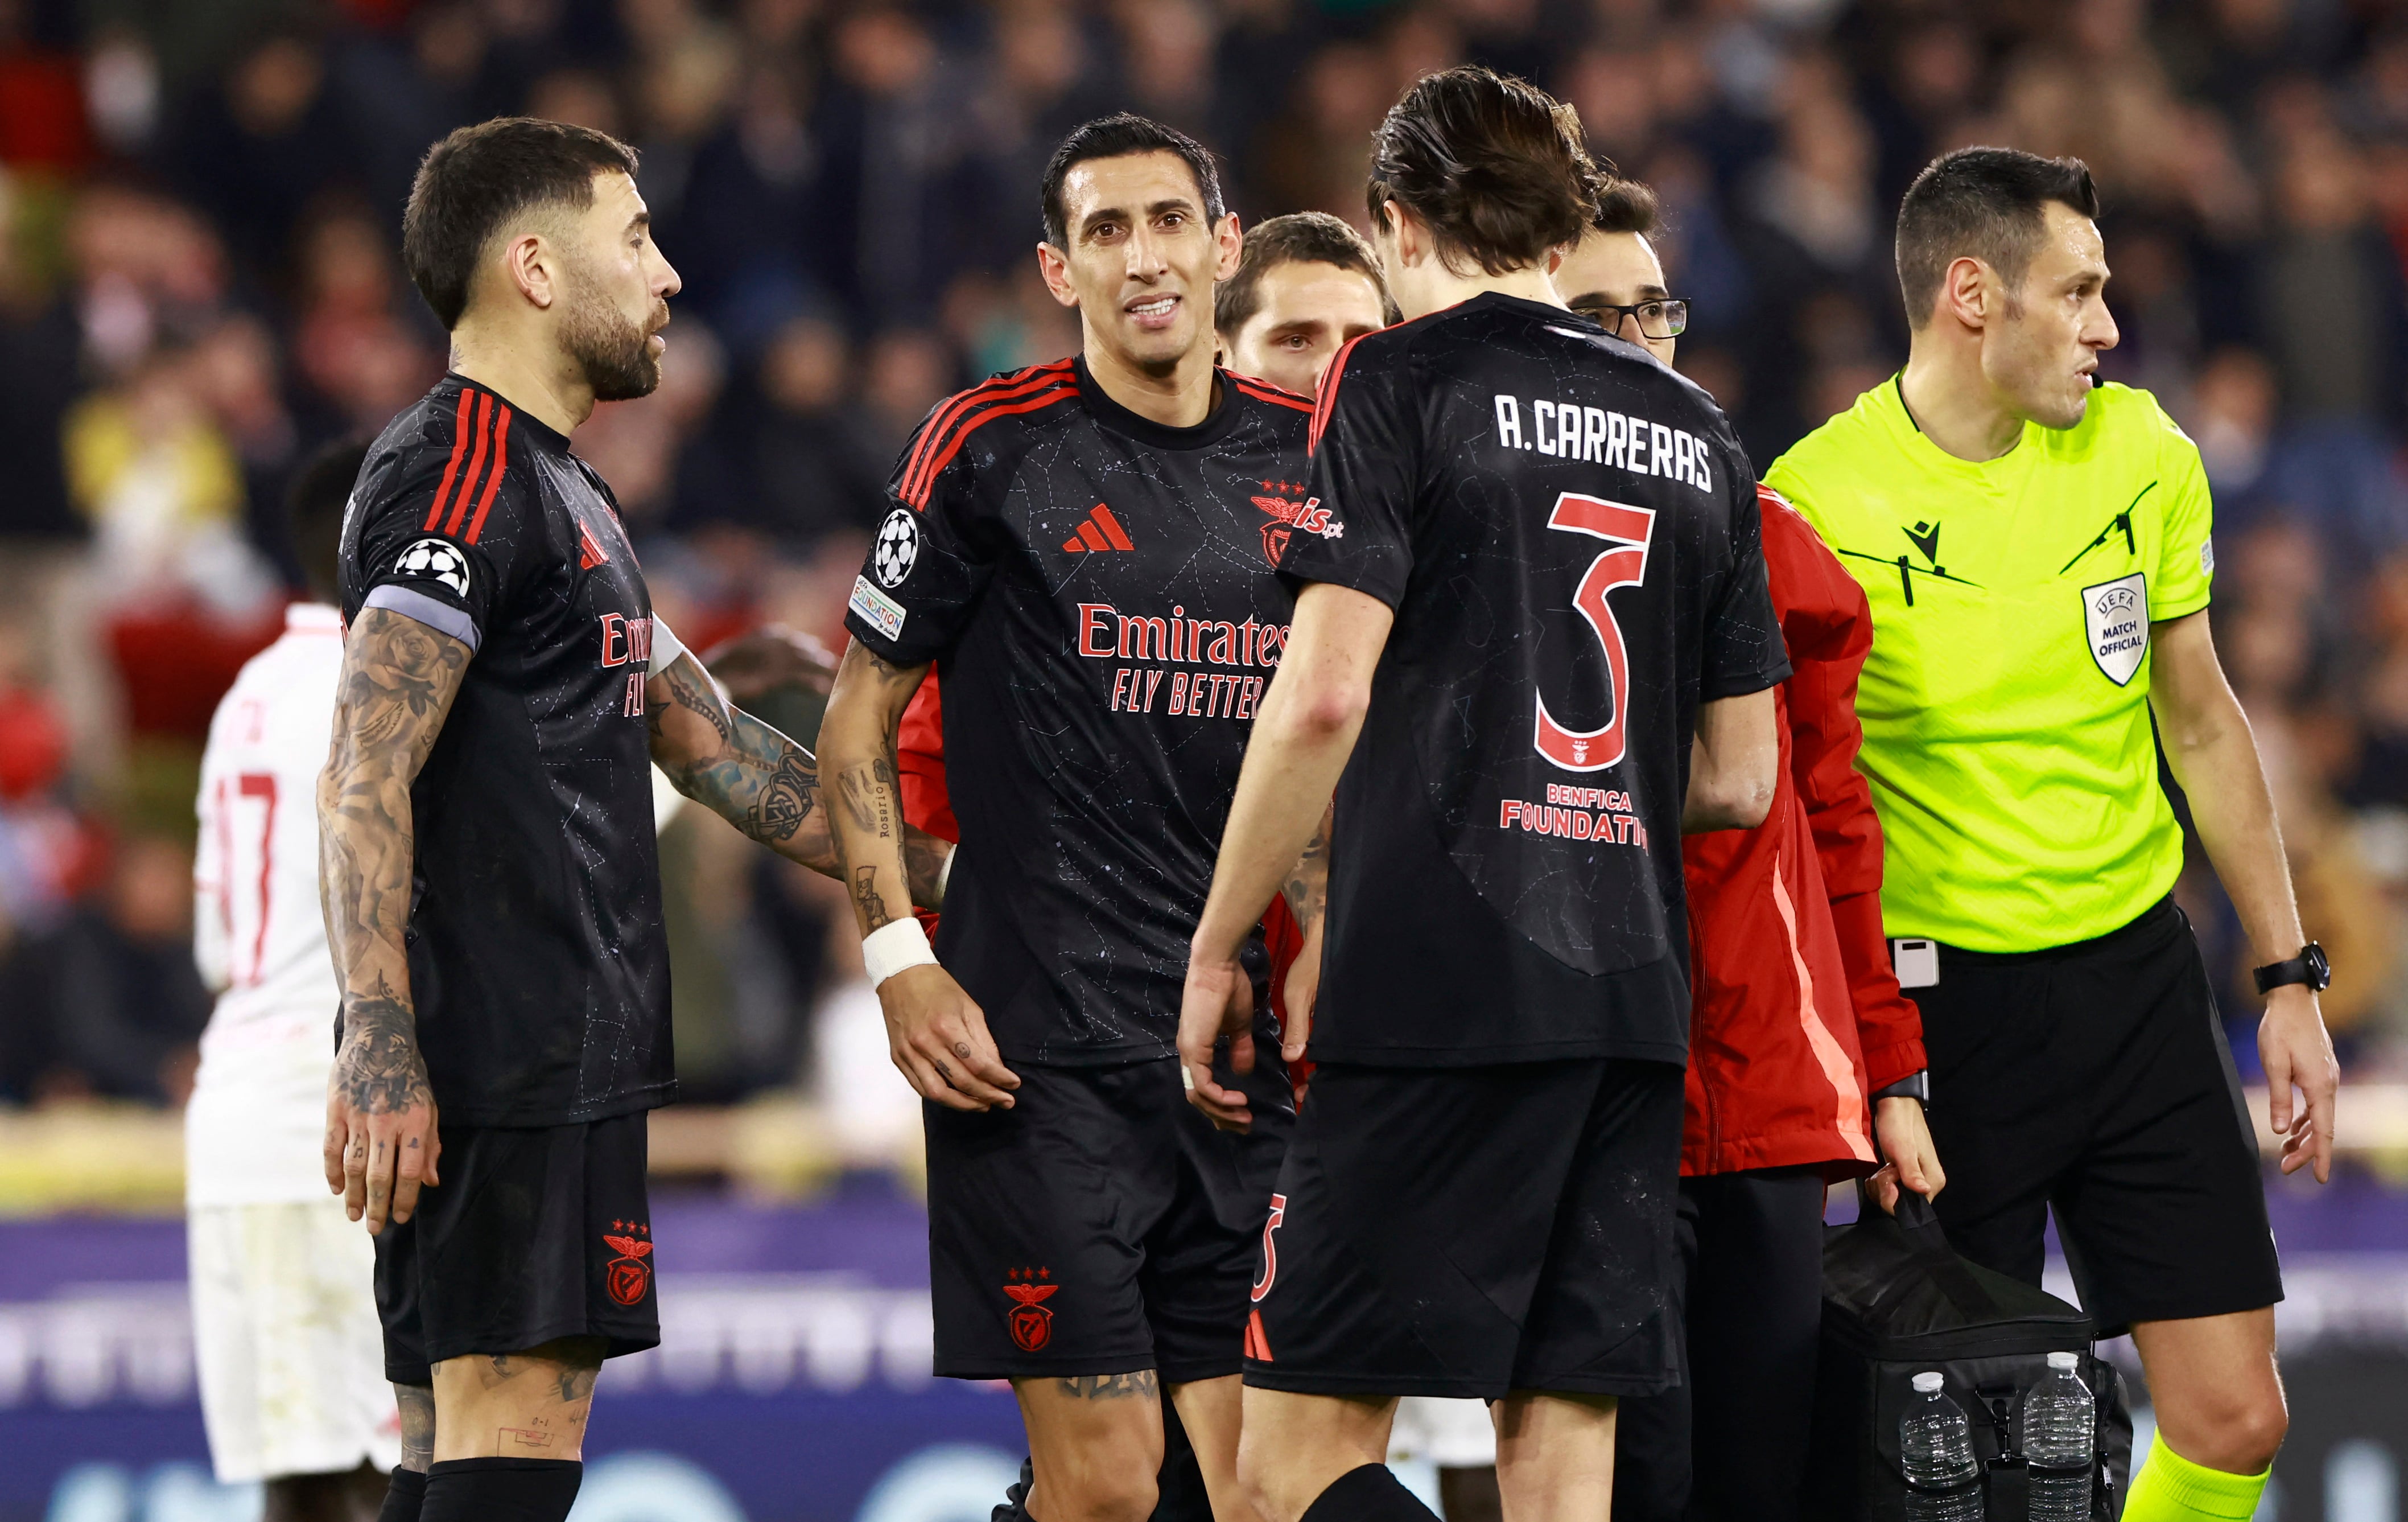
column 1098, row 531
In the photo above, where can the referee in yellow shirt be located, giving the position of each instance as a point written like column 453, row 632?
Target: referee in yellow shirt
column 2036, row 549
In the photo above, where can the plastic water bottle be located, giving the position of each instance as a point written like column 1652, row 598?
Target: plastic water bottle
column 1935, row 1448
column 2060, row 1428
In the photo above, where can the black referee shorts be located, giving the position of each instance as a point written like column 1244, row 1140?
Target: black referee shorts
column 534, row 1234
column 1470, row 1232
column 2093, row 1079
column 1101, row 1225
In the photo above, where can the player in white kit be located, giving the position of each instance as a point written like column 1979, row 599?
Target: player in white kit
column 284, row 1316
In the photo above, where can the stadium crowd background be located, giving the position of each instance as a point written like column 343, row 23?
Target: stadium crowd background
column 198, row 284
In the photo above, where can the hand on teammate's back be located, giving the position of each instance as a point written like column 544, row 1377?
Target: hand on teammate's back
column 1909, row 1158
column 2296, row 1053
column 1218, row 1001
column 381, row 1140
column 937, row 1035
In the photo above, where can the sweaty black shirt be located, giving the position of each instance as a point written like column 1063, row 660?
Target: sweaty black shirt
column 1099, row 593
column 1568, row 533
column 537, row 957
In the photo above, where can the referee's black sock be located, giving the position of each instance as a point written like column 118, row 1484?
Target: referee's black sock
column 501, row 1491
column 404, row 1494
column 1371, row 1493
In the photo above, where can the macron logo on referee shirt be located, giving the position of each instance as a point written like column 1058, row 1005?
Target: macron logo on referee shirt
column 1097, row 532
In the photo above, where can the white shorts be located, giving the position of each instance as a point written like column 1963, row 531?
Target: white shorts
column 286, row 1330
column 1451, row 1434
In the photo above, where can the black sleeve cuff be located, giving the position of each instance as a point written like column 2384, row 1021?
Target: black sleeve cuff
column 1915, row 1086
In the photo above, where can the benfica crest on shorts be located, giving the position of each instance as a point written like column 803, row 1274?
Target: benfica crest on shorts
column 628, row 1277
column 2115, row 617
column 1031, row 1320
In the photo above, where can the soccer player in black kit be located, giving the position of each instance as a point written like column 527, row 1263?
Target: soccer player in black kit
column 489, row 874
column 1085, row 547
column 1533, row 575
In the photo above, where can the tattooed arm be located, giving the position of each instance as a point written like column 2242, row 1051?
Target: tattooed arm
column 757, row 779
column 1307, row 892
column 935, row 1034
column 399, row 678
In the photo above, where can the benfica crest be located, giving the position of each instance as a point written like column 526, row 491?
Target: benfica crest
column 1031, row 1321
column 2115, row 617
column 628, row 1277
column 1288, row 515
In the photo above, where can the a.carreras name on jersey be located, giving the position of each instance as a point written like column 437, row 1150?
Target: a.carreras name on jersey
column 1572, row 431
column 1105, row 634
column 1577, row 813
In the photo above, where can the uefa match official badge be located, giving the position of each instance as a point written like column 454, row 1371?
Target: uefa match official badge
column 628, row 1277
column 1030, row 1319
column 2116, row 616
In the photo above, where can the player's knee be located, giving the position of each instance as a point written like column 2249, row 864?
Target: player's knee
column 2238, row 1431
column 1095, row 1486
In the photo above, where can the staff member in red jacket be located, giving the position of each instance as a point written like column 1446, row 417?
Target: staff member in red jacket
column 1805, row 1061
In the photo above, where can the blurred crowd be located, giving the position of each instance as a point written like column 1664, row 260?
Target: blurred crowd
column 199, row 209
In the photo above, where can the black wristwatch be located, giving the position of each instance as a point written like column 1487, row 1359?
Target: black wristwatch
column 2309, row 968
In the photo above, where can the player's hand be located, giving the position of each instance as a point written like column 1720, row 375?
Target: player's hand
column 383, row 1142
column 1217, row 1002
column 1911, row 1160
column 937, row 1035
column 1296, row 994
column 2296, row 1053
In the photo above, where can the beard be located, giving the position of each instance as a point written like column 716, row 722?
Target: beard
column 615, row 354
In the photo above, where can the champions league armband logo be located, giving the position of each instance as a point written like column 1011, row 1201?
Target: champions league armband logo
column 897, row 549
column 436, row 560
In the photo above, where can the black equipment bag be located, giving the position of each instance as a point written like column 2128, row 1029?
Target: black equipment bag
column 1897, row 1301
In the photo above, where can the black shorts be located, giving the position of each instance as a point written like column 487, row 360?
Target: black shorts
column 2093, row 1079
column 534, row 1234
column 1468, row 1231
column 1101, row 1225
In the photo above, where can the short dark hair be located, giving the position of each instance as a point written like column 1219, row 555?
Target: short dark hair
column 1299, row 237
column 1625, row 206
column 313, row 512
column 1116, row 136
column 1986, row 201
column 475, row 181
column 1497, row 167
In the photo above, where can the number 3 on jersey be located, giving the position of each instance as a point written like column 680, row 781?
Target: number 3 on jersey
column 1627, row 529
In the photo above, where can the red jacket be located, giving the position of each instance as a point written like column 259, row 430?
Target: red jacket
column 1795, row 1017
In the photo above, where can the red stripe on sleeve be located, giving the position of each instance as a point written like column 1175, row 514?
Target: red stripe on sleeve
column 459, row 446
column 1112, row 527
column 919, row 476
column 476, row 464
column 493, row 482
column 1329, row 395
column 970, row 424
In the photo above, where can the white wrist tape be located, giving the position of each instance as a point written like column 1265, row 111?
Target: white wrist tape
column 891, row 948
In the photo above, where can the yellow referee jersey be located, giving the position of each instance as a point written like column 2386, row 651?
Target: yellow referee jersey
column 2006, row 705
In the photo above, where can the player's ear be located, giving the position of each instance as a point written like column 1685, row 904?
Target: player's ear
column 1232, row 241
column 530, row 265
column 1055, row 267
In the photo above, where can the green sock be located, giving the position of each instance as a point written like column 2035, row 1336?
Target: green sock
column 2172, row 1488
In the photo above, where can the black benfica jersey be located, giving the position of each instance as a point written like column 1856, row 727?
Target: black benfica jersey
column 1099, row 593
column 536, row 956
column 1568, row 533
